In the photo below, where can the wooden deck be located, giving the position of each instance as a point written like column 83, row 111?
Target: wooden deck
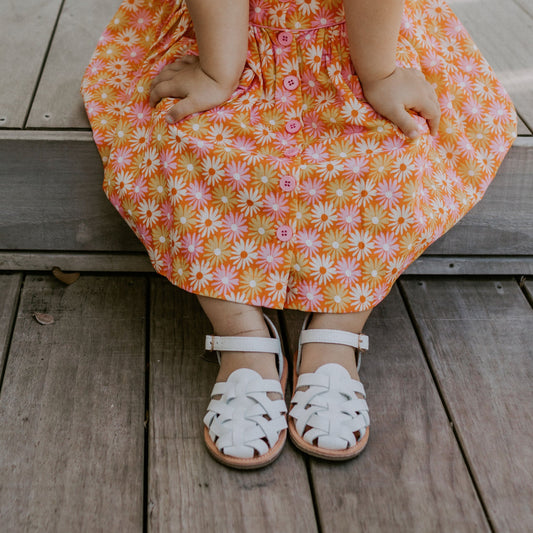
column 101, row 411
column 101, row 415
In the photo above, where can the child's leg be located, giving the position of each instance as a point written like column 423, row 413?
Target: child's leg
column 317, row 354
column 239, row 320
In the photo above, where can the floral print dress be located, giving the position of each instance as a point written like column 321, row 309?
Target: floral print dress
column 294, row 193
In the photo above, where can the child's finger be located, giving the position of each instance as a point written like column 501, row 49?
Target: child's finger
column 164, row 89
column 430, row 110
column 405, row 122
column 181, row 110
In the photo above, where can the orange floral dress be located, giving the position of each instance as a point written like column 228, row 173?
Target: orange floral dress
column 294, row 193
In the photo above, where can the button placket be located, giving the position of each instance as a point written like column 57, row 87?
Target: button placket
column 288, row 182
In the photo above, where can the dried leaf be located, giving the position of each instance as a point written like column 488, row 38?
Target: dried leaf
column 66, row 277
column 43, row 318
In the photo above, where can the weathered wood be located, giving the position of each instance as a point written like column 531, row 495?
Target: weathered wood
column 52, row 200
column 528, row 284
column 503, row 31
column 9, row 291
column 86, row 262
column 468, row 264
column 478, row 336
column 500, row 224
column 186, row 486
column 25, row 31
column 72, row 408
column 522, row 128
column 526, row 5
column 412, row 476
column 80, row 25
column 139, row 262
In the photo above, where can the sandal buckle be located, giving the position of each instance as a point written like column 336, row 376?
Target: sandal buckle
column 362, row 342
column 210, row 343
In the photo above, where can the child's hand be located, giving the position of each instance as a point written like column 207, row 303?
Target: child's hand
column 185, row 79
column 404, row 89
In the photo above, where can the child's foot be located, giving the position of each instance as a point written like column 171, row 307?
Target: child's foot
column 316, row 354
column 329, row 414
column 263, row 363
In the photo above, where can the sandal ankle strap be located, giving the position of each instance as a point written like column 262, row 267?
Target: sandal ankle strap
column 248, row 344
column 241, row 344
column 335, row 336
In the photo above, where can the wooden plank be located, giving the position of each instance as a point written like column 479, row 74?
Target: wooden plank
column 52, row 200
column 522, row 128
column 500, row 224
column 528, row 284
column 72, row 408
column 469, row 264
column 139, row 262
column 526, row 5
column 478, row 336
column 412, row 476
column 9, row 292
column 186, row 486
column 79, row 27
column 25, row 31
column 503, row 31
column 85, row 262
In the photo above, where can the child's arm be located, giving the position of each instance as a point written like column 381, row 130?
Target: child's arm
column 221, row 29
column 373, row 27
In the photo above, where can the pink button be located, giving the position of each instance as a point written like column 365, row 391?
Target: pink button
column 291, row 151
column 287, row 183
column 291, row 82
column 284, row 233
column 293, row 126
column 285, row 38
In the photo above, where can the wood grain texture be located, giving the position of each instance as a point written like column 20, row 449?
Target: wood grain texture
column 86, row 262
column 411, row 477
column 522, row 128
column 526, row 5
column 500, row 223
column 478, row 335
column 9, row 292
column 72, row 408
column 503, row 31
column 188, row 490
column 139, row 262
column 79, row 27
column 25, row 31
column 528, row 285
column 469, row 264
column 52, row 200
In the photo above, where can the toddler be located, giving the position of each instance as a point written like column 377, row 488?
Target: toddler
column 295, row 154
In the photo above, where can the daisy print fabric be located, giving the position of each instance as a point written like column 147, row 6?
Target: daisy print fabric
column 294, row 193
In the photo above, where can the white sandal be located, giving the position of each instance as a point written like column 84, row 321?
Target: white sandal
column 328, row 420
column 244, row 428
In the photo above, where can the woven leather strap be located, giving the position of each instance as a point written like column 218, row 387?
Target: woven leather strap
column 245, row 420
column 329, row 408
